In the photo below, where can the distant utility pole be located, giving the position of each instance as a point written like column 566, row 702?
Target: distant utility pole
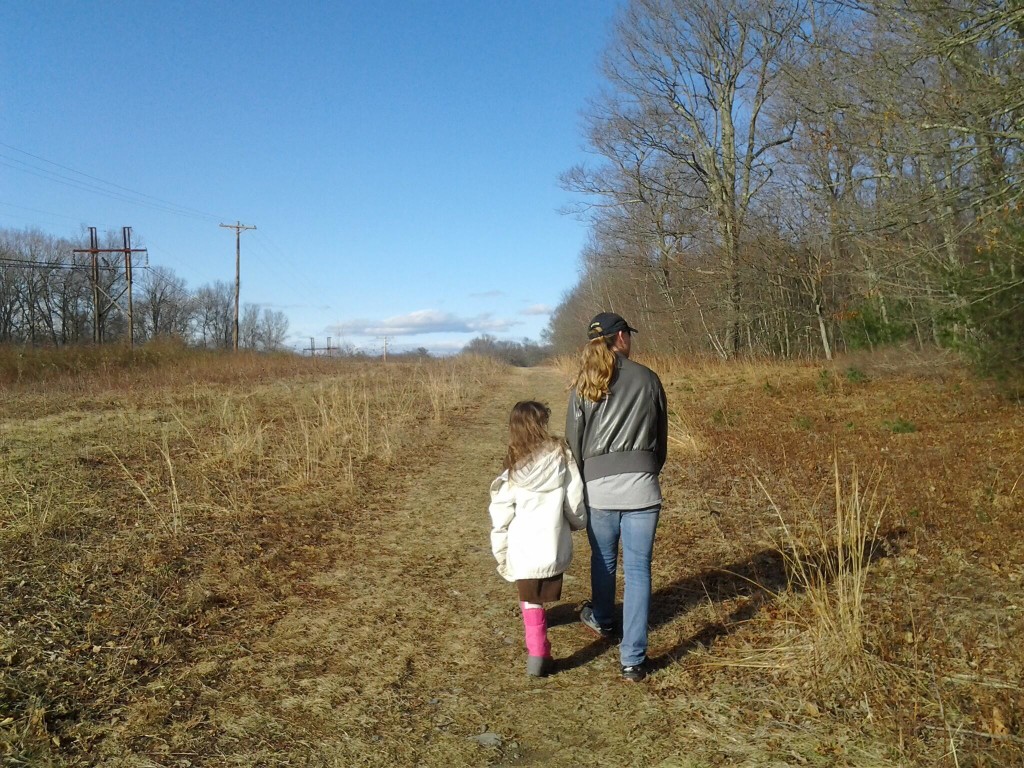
column 238, row 227
column 313, row 348
column 385, row 338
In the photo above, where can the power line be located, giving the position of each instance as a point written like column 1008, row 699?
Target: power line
column 85, row 182
column 39, row 210
column 180, row 209
column 275, row 257
column 91, row 188
column 94, row 251
column 4, row 261
column 274, row 252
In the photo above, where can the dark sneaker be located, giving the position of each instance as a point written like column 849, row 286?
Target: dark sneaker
column 587, row 620
column 539, row 666
column 635, row 673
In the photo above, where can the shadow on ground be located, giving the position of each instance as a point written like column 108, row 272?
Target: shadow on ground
column 760, row 578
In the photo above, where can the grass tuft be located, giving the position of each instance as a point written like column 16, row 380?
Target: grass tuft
column 855, row 375
column 826, row 551
column 829, row 561
column 900, row 426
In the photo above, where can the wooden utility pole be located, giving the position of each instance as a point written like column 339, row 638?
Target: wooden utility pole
column 238, row 227
column 126, row 234
column 94, row 250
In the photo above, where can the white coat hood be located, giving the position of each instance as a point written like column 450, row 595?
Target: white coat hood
column 541, row 474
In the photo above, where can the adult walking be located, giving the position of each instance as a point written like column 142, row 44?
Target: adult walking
column 617, row 430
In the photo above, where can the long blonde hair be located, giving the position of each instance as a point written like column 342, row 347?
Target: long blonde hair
column 597, row 366
column 527, row 433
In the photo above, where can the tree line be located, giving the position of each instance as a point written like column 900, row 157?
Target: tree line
column 798, row 178
column 46, row 298
column 521, row 354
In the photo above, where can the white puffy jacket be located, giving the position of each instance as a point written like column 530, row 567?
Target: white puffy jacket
column 532, row 515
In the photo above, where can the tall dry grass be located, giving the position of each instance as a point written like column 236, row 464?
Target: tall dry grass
column 75, row 371
column 151, row 510
column 310, row 434
column 826, row 547
column 32, row 507
column 828, row 555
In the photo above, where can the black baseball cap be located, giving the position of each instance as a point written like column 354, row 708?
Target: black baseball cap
column 607, row 324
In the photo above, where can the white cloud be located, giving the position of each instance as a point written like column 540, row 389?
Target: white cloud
column 487, row 295
column 537, row 309
column 420, row 322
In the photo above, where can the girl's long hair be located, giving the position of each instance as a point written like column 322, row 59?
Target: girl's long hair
column 527, row 433
column 597, row 366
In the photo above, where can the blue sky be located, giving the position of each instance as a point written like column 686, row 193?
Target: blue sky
column 400, row 160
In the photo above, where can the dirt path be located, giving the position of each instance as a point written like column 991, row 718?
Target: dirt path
column 414, row 653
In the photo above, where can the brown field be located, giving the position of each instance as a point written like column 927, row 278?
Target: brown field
column 218, row 561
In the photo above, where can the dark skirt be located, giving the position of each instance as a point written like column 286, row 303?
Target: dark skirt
column 540, row 590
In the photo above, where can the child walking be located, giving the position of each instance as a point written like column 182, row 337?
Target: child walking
column 535, row 503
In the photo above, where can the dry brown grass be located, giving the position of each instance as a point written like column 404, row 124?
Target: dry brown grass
column 148, row 515
column 825, row 551
column 917, row 645
column 281, row 566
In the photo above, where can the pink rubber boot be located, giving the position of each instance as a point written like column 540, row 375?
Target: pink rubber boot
column 538, row 648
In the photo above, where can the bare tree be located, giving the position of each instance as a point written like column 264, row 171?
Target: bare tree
column 701, row 74
column 273, row 329
column 688, row 143
column 214, row 317
column 163, row 306
column 263, row 328
column 46, row 297
column 645, row 221
column 791, row 177
column 42, row 295
column 249, row 327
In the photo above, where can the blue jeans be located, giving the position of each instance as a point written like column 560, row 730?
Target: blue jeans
column 636, row 529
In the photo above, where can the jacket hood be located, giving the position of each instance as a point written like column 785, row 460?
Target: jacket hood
column 544, row 472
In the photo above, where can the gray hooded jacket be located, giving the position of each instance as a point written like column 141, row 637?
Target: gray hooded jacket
column 627, row 431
